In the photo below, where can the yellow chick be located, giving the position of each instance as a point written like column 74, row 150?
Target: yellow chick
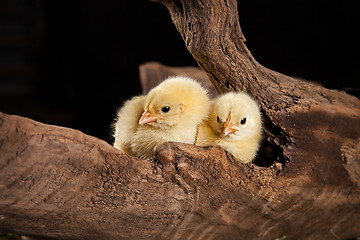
column 234, row 124
column 171, row 111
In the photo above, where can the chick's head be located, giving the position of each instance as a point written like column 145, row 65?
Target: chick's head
column 177, row 101
column 235, row 116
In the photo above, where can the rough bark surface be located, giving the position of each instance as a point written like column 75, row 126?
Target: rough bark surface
column 58, row 182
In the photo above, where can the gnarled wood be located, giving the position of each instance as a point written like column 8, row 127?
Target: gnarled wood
column 212, row 34
column 58, row 182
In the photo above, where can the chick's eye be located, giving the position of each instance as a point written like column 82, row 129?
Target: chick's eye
column 243, row 121
column 217, row 119
column 165, row 109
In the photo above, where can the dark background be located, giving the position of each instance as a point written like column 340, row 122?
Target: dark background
column 72, row 63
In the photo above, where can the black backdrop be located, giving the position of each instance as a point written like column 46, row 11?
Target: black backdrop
column 72, row 63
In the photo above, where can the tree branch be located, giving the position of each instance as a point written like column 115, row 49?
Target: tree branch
column 212, row 34
column 60, row 183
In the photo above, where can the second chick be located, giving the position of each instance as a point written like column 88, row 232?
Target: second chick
column 234, row 124
column 171, row 111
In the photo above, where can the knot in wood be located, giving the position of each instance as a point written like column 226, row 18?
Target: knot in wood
column 165, row 153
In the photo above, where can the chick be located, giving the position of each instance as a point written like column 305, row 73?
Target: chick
column 171, row 111
column 234, row 124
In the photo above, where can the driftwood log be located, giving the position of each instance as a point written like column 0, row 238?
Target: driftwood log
column 60, row 183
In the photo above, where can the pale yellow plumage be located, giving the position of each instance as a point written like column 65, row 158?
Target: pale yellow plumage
column 234, row 123
column 171, row 111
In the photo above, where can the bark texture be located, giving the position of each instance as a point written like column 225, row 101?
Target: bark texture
column 60, row 183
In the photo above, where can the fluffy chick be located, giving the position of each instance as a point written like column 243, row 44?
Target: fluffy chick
column 234, row 124
column 171, row 111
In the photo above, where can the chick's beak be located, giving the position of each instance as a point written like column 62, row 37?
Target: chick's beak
column 146, row 117
column 227, row 127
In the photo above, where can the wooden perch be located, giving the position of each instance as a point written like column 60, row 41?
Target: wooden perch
column 60, row 183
